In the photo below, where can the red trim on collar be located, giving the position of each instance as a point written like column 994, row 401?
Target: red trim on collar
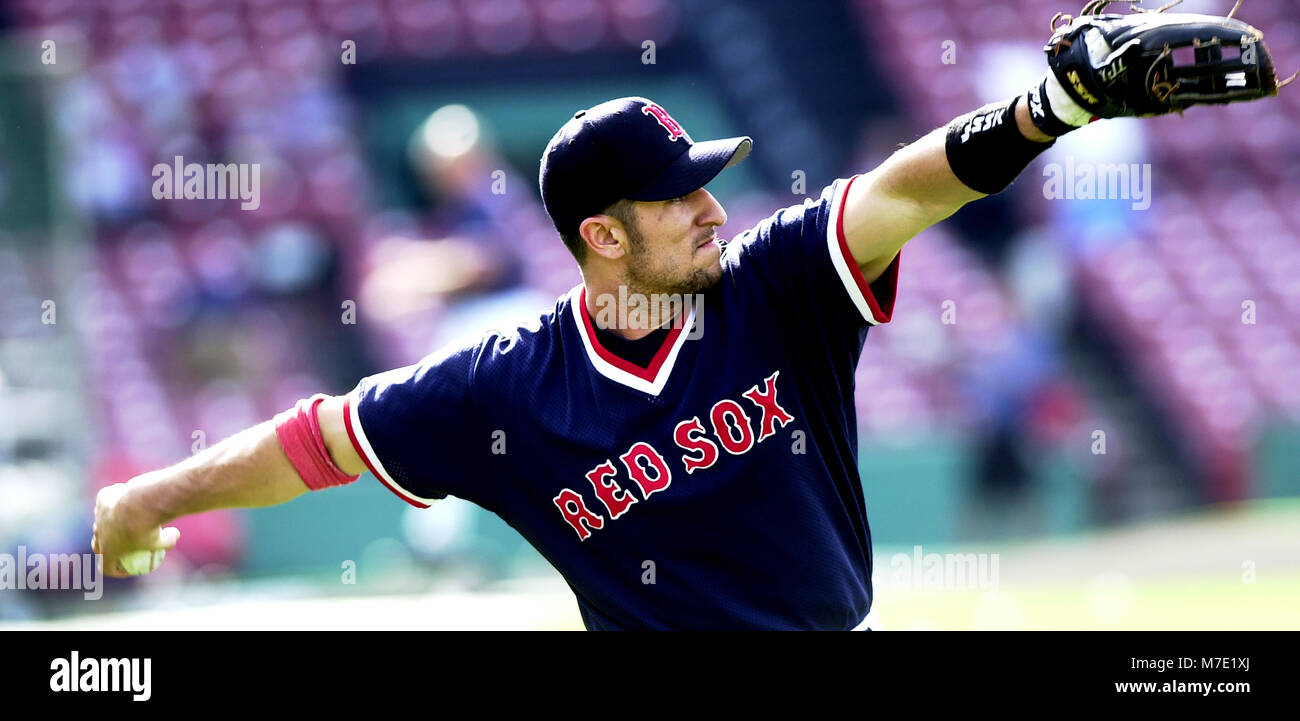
column 646, row 374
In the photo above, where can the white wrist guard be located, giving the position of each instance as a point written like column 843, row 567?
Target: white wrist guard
column 1053, row 110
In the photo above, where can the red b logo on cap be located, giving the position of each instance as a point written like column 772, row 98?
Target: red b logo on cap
column 675, row 131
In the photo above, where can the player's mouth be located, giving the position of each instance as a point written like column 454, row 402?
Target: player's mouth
column 706, row 241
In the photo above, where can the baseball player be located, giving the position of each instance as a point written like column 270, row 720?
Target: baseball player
column 685, row 415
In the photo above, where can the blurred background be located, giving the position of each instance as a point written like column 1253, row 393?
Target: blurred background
column 1103, row 396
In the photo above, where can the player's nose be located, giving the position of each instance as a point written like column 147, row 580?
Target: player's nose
column 711, row 211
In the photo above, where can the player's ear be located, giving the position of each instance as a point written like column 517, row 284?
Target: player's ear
column 604, row 236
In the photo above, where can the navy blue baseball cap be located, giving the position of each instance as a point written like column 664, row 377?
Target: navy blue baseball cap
column 627, row 148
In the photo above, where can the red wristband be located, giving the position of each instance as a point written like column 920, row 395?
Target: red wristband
column 300, row 436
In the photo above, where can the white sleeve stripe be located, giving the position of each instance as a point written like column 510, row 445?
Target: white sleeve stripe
column 363, row 447
column 845, row 265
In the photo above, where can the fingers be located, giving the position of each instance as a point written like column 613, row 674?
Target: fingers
column 116, row 535
column 167, row 538
column 163, row 540
column 112, row 569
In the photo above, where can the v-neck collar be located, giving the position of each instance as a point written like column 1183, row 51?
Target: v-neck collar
column 649, row 380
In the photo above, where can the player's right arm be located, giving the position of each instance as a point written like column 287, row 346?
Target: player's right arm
column 247, row 470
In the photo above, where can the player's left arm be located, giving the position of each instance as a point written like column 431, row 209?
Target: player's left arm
column 912, row 190
column 1100, row 66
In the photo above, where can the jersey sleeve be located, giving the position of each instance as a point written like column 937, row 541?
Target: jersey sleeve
column 419, row 430
column 801, row 255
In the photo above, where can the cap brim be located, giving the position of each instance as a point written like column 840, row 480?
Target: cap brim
column 694, row 169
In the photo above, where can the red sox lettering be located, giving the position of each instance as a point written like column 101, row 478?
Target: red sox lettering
column 648, row 469
column 684, row 436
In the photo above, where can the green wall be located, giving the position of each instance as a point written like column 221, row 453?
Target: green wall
column 1277, row 461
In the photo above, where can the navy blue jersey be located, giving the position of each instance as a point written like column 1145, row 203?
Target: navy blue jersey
column 725, row 471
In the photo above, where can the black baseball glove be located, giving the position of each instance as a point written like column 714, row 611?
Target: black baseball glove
column 1150, row 62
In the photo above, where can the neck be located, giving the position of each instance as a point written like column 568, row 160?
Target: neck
column 627, row 312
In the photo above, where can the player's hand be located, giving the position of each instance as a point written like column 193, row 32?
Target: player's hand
column 122, row 528
column 1148, row 62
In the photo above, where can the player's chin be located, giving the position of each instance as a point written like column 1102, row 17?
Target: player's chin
column 708, row 277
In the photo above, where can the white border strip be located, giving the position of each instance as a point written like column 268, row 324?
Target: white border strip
column 837, row 255
column 354, row 420
column 618, row 375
